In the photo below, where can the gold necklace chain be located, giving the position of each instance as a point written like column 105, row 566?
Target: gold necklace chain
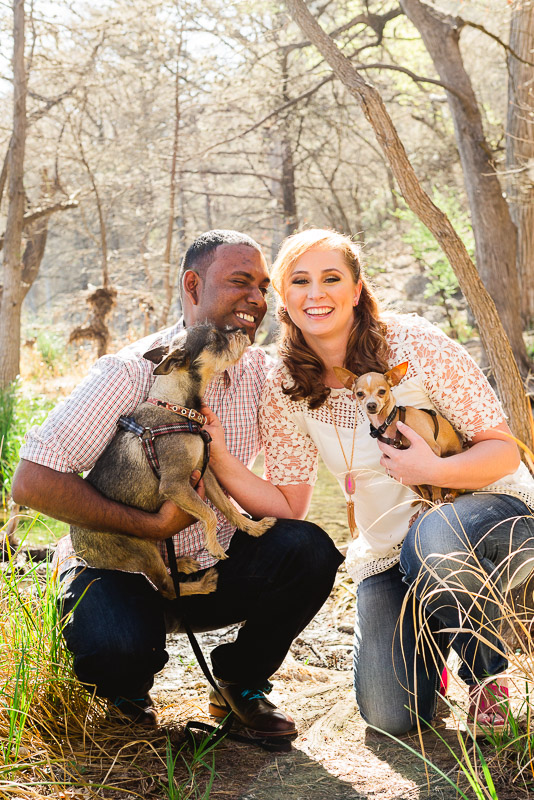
column 349, row 467
column 350, row 485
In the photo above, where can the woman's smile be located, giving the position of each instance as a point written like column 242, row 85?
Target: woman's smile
column 323, row 311
column 320, row 294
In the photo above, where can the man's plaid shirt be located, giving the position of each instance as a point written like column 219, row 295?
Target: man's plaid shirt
column 78, row 430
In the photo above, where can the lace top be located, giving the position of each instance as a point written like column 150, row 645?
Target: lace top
column 441, row 375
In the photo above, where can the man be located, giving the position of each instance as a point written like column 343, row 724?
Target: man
column 275, row 584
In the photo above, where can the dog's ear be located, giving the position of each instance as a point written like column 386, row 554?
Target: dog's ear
column 345, row 376
column 396, row 374
column 177, row 357
column 157, row 354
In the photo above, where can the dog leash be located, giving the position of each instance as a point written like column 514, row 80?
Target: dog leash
column 192, row 424
column 218, row 732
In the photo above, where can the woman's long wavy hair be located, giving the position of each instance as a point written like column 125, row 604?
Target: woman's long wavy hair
column 367, row 347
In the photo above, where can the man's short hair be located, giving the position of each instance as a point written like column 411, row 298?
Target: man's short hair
column 201, row 252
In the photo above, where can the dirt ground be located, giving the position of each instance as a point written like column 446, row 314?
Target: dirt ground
column 336, row 757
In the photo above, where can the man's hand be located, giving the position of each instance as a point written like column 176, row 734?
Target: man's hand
column 415, row 466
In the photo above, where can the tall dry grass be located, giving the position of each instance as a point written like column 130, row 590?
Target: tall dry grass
column 502, row 758
column 55, row 737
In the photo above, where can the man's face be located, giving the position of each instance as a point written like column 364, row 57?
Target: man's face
column 233, row 290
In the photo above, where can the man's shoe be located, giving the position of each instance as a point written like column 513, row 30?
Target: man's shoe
column 138, row 711
column 261, row 717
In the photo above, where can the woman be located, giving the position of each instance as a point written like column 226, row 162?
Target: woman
column 449, row 567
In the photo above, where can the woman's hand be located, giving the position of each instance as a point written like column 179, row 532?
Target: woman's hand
column 215, row 429
column 415, row 466
column 491, row 455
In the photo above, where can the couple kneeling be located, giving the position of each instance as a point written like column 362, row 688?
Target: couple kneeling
column 453, row 563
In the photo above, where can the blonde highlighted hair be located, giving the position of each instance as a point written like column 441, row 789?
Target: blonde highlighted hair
column 367, row 348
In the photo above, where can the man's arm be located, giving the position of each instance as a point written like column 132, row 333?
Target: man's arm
column 66, row 496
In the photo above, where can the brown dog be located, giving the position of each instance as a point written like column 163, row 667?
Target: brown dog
column 123, row 471
column 373, row 392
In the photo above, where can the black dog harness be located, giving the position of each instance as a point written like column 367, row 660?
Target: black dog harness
column 192, row 423
column 378, row 433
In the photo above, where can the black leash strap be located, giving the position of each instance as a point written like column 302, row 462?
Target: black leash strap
column 221, row 730
column 218, row 732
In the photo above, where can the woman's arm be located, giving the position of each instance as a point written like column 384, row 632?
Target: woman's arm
column 258, row 497
column 490, row 456
column 460, row 392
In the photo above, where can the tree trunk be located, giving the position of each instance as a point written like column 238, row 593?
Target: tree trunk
column 36, row 235
column 10, row 309
column 520, row 151
column 289, row 198
column 495, row 233
column 168, row 273
column 494, row 339
column 287, row 183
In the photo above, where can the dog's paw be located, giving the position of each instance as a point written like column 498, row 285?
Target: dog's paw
column 258, row 528
column 208, row 582
column 217, row 552
column 168, row 591
column 187, row 565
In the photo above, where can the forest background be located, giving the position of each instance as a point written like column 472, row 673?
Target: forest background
column 136, row 126
column 127, row 128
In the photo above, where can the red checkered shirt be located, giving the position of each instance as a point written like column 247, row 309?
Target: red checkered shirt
column 78, row 430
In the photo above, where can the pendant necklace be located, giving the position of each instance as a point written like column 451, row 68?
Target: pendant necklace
column 350, row 478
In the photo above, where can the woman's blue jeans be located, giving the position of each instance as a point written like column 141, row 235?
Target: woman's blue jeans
column 456, row 564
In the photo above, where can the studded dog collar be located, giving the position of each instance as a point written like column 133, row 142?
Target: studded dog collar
column 188, row 413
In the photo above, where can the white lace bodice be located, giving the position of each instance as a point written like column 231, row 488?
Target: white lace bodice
column 441, row 374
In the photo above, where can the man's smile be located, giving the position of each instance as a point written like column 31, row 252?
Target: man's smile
column 245, row 317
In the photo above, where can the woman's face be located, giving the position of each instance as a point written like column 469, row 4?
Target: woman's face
column 320, row 295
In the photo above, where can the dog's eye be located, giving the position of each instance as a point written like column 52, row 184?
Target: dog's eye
column 381, row 392
column 359, row 395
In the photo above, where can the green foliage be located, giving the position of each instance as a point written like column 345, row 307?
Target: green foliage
column 52, row 349
column 200, row 760
column 7, row 418
column 34, row 659
column 18, row 413
column 481, row 784
column 38, row 530
column 443, row 283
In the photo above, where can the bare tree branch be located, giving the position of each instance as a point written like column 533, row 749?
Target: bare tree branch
column 498, row 40
column 41, row 213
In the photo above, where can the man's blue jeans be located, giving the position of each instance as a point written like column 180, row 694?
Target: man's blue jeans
column 117, row 623
column 456, row 563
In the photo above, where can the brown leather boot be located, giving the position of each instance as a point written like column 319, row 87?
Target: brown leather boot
column 140, row 711
column 261, row 717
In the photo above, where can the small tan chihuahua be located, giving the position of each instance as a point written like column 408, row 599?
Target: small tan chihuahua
column 373, row 392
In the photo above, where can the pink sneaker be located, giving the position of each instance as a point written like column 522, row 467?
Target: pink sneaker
column 444, row 682
column 489, row 707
